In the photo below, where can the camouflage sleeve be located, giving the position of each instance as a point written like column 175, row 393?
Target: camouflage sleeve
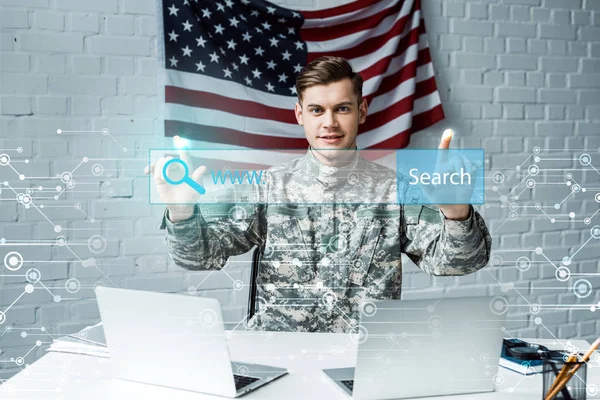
column 440, row 246
column 213, row 234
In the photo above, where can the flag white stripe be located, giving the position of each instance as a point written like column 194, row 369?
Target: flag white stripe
column 348, row 17
column 370, row 86
column 354, row 39
column 426, row 103
column 388, row 49
column 349, row 41
column 223, row 119
column 198, row 82
column 397, row 125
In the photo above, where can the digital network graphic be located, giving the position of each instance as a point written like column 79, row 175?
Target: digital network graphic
column 508, row 187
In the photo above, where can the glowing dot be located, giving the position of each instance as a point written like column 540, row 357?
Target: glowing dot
column 518, row 168
column 13, row 260
column 43, row 329
column 57, row 299
column 572, row 215
column 568, row 183
column 557, row 206
column 58, row 229
column 38, row 343
column 21, row 177
column 26, row 161
column 59, row 131
column 538, row 321
column 538, row 250
column 40, row 188
column 562, row 273
column 23, row 334
column 29, row 288
column 41, row 206
column 552, row 220
column 85, row 159
column 58, row 188
column 55, row 197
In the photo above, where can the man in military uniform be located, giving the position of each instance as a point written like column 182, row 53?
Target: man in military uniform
column 329, row 225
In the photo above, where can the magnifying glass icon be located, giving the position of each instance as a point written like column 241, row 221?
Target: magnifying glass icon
column 185, row 178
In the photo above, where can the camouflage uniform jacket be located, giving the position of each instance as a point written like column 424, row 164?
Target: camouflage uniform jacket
column 324, row 249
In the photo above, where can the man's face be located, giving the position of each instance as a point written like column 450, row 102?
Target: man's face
column 330, row 115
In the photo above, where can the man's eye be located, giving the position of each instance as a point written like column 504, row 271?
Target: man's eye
column 315, row 110
column 344, row 109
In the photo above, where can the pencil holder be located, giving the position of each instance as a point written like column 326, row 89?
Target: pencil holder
column 575, row 389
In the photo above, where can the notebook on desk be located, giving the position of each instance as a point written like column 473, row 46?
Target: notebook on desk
column 535, row 366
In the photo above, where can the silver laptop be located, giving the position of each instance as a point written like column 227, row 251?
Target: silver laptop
column 424, row 348
column 175, row 341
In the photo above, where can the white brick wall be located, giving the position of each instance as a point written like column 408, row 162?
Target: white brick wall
column 512, row 74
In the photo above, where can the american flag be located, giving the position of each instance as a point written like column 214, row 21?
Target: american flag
column 230, row 69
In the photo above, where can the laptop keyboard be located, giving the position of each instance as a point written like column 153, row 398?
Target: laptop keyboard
column 349, row 385
column 243, row 381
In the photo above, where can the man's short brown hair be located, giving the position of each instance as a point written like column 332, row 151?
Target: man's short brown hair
column 325, row 70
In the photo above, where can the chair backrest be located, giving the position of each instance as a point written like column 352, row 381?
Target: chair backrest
column 252, row 293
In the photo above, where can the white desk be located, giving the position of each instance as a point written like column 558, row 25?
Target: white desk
column 75, row 377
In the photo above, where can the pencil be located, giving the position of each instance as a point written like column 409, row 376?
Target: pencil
column 559, row 385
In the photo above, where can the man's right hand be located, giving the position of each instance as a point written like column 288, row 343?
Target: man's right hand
column 180, row 198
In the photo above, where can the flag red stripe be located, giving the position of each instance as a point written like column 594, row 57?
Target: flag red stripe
column 407, row 72
column 420, row 121
column 382, row 65
column 336, row 31
column 214, row 134
column 399, row 108
column 212, row 101
column 390, row 82
column 370, row 46
column 339, row 10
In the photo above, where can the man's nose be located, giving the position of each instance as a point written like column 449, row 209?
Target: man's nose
column 329, row 120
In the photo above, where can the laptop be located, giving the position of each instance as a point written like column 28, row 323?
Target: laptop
column 424, row 348
column 176, row 341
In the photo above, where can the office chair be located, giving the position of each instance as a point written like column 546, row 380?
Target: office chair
column 253, row 275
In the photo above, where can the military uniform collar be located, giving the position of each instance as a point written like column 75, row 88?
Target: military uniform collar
column 326, row 173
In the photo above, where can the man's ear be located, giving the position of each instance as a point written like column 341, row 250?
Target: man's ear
column 362, row 111
column 298, row 112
